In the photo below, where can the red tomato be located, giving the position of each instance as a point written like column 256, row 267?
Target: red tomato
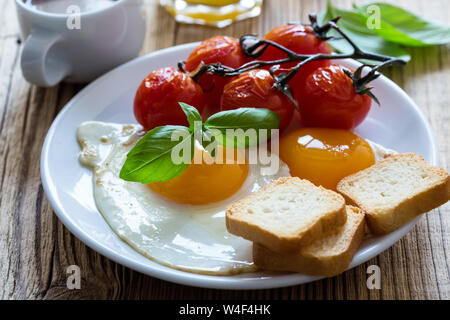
column 299, row 39
column 328, row 99
column 254, row 89
column 156, row 101
column 219, row 49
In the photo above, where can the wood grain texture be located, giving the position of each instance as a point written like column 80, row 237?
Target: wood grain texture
column 35, row 248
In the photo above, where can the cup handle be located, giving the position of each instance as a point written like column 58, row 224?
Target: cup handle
column 38, row 65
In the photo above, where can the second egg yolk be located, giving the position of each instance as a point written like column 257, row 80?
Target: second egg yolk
column 209, row 181
column 325, row 156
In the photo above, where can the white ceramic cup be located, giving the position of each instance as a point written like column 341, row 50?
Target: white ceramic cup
column 78, row 47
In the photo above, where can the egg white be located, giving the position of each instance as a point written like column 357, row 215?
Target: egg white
column 189, row 238
column 379, row 151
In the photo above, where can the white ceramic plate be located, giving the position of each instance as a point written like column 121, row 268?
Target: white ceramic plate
column 398, row 124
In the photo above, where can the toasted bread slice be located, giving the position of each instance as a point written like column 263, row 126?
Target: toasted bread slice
column 395, row 190
column 327, row 256
column 287, row 213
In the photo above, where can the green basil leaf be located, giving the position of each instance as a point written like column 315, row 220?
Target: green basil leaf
column 244, row 118
column 232, row 127
column 401, row 26
column 355, row 26
column 191, row 113
column 151, row 158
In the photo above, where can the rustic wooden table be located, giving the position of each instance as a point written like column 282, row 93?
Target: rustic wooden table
column 35, row 248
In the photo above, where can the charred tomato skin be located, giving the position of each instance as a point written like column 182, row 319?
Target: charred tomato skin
column 254, row 89
column 328, row 99
column 299, row 39
column 219, row 49
column 157, row 99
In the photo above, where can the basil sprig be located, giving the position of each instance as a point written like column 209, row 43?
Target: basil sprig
column 400, row 26
column 397, row 28
column 355, row 26
column 151, row 160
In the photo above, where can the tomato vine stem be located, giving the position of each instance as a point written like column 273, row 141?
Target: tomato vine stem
column 255, row 47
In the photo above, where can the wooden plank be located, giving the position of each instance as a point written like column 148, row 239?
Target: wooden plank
column 36, row 249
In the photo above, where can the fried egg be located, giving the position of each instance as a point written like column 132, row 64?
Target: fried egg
column 180, row 223
column 171, row 222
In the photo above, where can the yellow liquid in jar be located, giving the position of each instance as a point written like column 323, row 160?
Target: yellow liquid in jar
column 212, row 17
column 218, row 13
column 216, row 3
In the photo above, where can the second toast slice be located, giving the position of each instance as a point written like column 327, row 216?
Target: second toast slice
column 328, row 256
column 287, row 213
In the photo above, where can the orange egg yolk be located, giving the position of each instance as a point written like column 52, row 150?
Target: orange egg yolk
column 208, row 180
column 325, row 156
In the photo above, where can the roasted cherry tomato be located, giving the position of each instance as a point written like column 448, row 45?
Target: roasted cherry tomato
column 299, row 39
column 328, row 99
column 219, row 49
column 254, row 89
column 157, row 98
